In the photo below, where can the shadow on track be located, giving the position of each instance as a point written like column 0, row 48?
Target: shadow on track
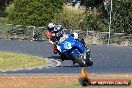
column 65, row 63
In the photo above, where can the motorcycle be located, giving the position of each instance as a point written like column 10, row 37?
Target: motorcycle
column 73, row 49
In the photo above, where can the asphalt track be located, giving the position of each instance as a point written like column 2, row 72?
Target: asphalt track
column 107, row 58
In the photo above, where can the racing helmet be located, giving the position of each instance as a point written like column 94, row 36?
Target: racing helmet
column 57, row 28
column 75, row 35
column 51, row 27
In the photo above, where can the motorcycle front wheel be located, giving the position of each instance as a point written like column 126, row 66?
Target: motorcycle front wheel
column 89, row 62
column 78, row 60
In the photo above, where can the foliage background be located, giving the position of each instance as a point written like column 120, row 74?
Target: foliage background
column 34, row 12
column 94, row 17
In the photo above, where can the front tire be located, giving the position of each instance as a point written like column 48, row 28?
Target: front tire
column 89, row 62
column 77, row 60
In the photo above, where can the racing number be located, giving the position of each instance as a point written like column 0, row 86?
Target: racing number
column 67, row 45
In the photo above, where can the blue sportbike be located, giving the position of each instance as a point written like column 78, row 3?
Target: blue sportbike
column 75, row 50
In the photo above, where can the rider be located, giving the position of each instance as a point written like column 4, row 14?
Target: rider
column 54, row 33
column 54, row 28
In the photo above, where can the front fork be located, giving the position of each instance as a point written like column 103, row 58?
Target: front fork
column 86, row 56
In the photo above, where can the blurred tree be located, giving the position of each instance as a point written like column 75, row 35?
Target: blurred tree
column 3, row 4
column 121, row 17
column 9, row 8
column 95, row 22
column 93, row 3
column 34, row 12
column 70, row 19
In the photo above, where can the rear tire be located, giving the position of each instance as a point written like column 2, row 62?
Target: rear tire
column 77, row 60
column 63, row 57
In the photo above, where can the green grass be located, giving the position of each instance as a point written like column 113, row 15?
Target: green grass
column 5, row 28
column 3, row 20
column 33, row 86
column 9, row 61
column 79, row 86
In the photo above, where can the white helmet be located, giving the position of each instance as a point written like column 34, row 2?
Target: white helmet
column 51, row 26
column 75, row 35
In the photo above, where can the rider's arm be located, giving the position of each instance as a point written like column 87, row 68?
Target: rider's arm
column 50, row 41
column 49, row 35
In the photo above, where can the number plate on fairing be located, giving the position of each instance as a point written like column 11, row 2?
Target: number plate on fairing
column 67, row 45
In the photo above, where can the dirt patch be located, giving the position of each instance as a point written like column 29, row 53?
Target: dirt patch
column 43, row 81
column 35, row 81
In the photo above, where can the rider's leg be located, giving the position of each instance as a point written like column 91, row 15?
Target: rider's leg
column 54, row 49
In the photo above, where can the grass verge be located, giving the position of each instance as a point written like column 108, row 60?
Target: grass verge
column 3, row 20
column 9, row 61
column 55, row 81
column 79, row 86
